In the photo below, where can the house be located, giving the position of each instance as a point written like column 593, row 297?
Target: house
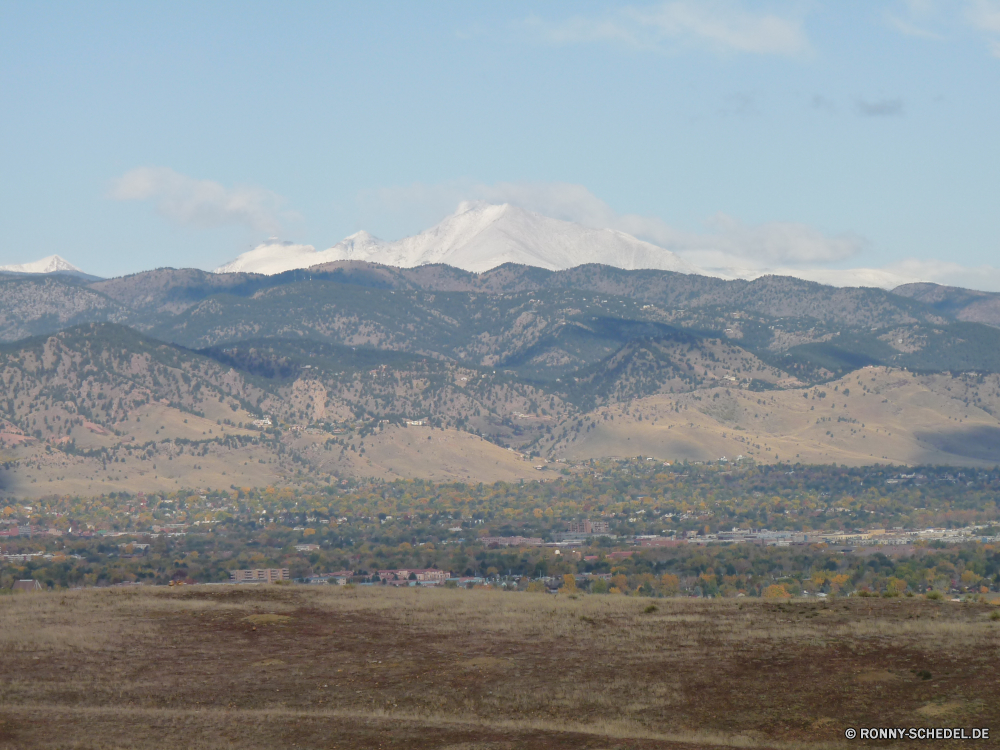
column 26, row 584
column 306, row 547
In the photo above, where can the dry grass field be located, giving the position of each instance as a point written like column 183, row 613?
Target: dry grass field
column 281, row 667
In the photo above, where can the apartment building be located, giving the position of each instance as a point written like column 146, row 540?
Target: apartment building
column 259, row 575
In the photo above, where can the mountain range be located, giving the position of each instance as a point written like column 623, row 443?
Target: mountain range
column 479, row 236
column 178, row 378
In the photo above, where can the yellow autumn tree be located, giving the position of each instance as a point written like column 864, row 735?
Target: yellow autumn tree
column 969, row 577
column 838, row 582
column 670, row 584
column 895, row 587
column 776, row 591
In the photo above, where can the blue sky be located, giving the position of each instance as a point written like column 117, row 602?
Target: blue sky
column 839, row 134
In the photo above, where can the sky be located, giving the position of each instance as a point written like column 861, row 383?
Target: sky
column 799, row 134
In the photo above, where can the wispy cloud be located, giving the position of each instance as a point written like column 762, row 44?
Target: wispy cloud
column 984, row 15
column 198, row 203
column 879, row 107
column 908, row 28
column 915, row 18
column 941, row 19
column 725, row 26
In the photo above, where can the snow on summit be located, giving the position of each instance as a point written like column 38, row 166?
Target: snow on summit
column 272, row 257
column 477, row 237
column 49, row 264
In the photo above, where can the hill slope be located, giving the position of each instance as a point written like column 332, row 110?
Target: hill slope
column 102, row 408
column 874, row 415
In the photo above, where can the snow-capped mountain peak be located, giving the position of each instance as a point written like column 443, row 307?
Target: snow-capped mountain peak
column 477, row 237
column 359, row 246
column 50, row 264
column 272, row 256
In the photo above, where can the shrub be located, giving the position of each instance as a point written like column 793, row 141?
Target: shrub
column 652, row 608
column 935, row 595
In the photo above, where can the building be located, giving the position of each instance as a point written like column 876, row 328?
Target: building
column 306, row 547
column 259, row 575
column 338, row 577
column 26, row 584
column 512, row 541
column 589, row 527
column 622, row 555
column 663, row 541
column 414, row 576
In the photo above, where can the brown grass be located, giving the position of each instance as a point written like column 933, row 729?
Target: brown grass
column 417, row 668
column 894, row 416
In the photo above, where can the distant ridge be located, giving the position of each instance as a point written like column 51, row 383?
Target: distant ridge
column 477, row 237
column 964, row 304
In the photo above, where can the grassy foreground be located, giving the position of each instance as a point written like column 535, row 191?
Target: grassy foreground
column 331, row 667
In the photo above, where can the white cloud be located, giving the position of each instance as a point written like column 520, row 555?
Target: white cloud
column 913, row 17
column 944, row 19
column 909, row 29
column 200, row 203
column 719, row 25
column 984, row 15
column 931, row 18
